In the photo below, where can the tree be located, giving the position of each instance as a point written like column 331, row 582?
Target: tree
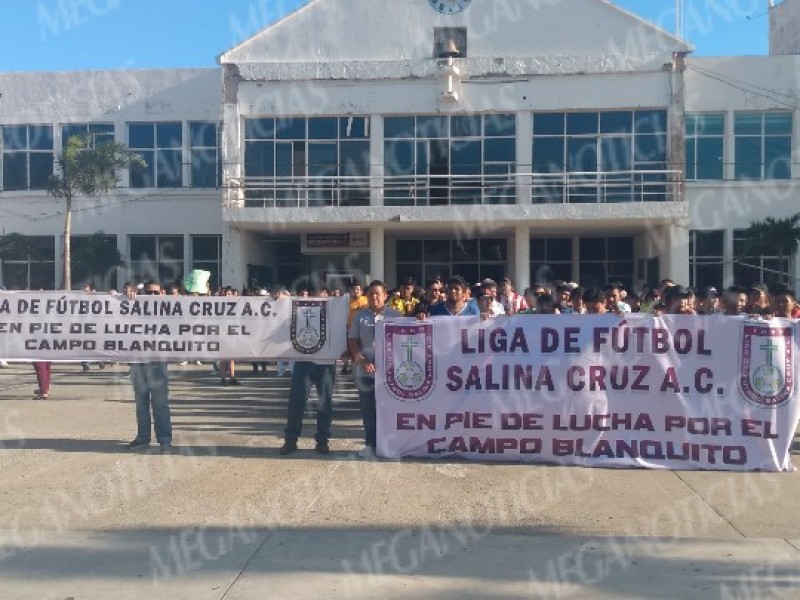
column 95, row 260
column 773, row 237
column 90, row 170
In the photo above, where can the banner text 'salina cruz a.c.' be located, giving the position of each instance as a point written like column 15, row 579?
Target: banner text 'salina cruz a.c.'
column 57, row 326
column 676, row 392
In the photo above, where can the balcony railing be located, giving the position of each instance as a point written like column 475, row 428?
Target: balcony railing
column 452, row 190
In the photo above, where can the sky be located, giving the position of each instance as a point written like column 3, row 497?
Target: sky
column 67, row 35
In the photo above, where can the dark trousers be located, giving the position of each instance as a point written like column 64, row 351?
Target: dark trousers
column 304, row 375
column 369, row 414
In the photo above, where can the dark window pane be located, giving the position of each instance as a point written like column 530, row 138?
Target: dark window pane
column 709, row 158
column 354, row 158
column 493, row 250
column 169, row 135
column 538, row 250
column 283, row 160
column 582, row 123
column 709, row 243
column 142, row 175
column 15, row 275
column 582, row 155
column 500, row 150
column 548, row 155
column 548, row 124
column 778, row 123
column 205, row 247
column 399, row 158
column 141, row 135
column 466, row 126
column 620, row 248
column 710, row 124
column 322, row 159
column 43, row 276
column 15, row 137
column 592, row 274
column 650, row 121
column 290, row 129
column 433, row 127
column 40, row 137
column 409, row 250
column 323, row 128
column 68, row 131
column 398, row 127
column 406, row 270
column 170, row 247
column 353, row 127
column 592, row 249
column 204, row 168
column 15, row 171
column 437, row 250
column 748, row 157
column 691, row 160
column 650, row 148
column 41, row 169
column 778, row 157
column 748, row 123
column 259, row 159
column 259, row 129
column 203, row 135
column 559, row 249
column 616, row 153
column 616, row 122
column 143, row 247
column 42, row 247
column 465, row 157
column 465, row 250
column 168, row 169
column 495, row 125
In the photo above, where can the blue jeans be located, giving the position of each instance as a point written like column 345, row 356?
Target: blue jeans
column 151, row 390
column 369, row 415
column 304, row 375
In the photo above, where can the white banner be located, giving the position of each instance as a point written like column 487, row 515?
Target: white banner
column 68, row 327
column 676, row 392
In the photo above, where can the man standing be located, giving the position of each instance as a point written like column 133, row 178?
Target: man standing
column 151, row 390
column 456, row 301
column 304, row 375
column 361, row 344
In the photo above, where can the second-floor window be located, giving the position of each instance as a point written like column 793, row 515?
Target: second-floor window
column 98, row 133
column 160, row 145
column 205, row 155
column 763, row 145
column 705, row 140
column 27, row 154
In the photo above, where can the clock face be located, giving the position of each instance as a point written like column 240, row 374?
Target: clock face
column 449, row 7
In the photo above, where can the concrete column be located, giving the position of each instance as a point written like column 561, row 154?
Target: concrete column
column 677, row 124
column 524, row 156
column 377, row 259
column 677, row 253
column 233, row 270
column 376, row 161
column 232, row 148
column 522, row 257
column 727, row 264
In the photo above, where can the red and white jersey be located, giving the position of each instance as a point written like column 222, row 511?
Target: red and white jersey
column 514, row 304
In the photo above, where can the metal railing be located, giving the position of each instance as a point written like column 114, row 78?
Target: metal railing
column 452, row 190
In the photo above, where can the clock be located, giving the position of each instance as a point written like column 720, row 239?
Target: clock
column 449, row 7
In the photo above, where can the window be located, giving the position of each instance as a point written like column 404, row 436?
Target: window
column 98, row 133
column 27, row 156
column 323, row 161
column 612, row 156
column 205, row 155
column 606, row 260
column 92, row 261
column 706, row 258
column 705, row 137
column 472, row 259
column 158, row 257
column 751, row 267
column 449, row 41
column 763, row 145
column 551, row 259
column 207, row 255
column 160, row 146
column 440, row 160
column 31, row 266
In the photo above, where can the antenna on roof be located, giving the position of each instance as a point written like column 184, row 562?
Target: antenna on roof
column 679, row 19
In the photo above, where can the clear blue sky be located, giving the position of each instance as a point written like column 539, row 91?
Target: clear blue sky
column 57, row 35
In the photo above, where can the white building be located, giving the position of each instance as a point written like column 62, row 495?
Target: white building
column 543, row 139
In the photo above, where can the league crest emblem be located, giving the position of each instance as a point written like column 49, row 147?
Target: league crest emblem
column 766, row 365
column 309, row 326
column 409, row 361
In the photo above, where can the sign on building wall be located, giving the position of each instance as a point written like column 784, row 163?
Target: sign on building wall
column 328, row 243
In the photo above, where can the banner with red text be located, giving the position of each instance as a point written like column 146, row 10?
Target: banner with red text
column 676, row 392
column 69, row 327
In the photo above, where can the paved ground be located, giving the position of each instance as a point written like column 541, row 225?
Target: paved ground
column 227, row 518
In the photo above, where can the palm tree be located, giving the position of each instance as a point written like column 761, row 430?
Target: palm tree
column 771, row 237
column 86, row 169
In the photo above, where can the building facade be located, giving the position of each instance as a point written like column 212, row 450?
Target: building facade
column 565, row 139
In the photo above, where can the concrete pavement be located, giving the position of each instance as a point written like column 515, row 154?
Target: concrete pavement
column 226, row 517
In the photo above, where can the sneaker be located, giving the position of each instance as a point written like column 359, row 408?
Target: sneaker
column 367, row 453
column 183, row 363
column 38, row 395
column 3, row 364
column 223, row 381
column 85, row 366
column 322, row 448
column 214, row 373
column 288, row 447
column 137, row 443
column 234, row 381
column 166, row 448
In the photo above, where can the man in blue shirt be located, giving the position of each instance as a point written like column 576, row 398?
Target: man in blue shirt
column 456, row 303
